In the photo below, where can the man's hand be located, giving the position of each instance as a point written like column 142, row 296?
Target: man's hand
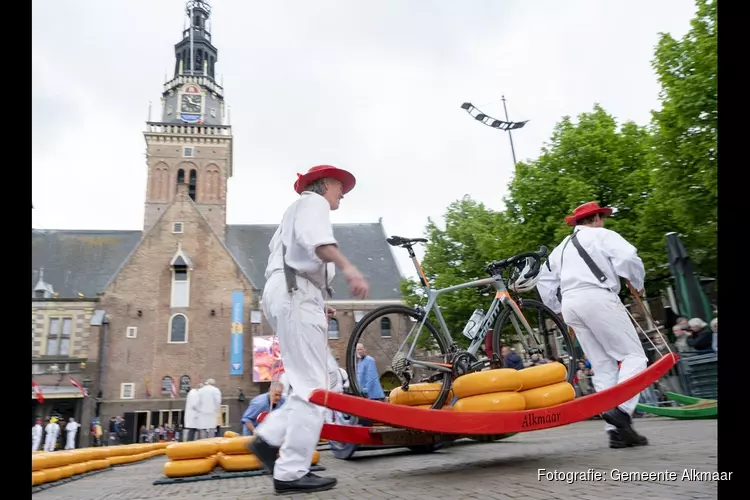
column 330, row 312
column 357, row 283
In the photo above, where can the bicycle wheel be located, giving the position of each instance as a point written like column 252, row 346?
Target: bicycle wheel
column 387, row 334
column 550, row 332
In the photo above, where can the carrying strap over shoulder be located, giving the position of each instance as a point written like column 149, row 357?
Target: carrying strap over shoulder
column 291, row 274
column 586, row 258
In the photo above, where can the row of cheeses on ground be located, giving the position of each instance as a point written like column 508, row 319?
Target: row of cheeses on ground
column 502, row 389
column 48, row 467
column 231, row 453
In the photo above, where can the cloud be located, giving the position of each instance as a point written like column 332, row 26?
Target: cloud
column 371, row 86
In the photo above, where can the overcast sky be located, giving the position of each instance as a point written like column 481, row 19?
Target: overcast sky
column 371, row 86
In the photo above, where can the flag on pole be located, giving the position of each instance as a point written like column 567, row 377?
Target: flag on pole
column 80, row 387
column 38, row 391
column 174, row 389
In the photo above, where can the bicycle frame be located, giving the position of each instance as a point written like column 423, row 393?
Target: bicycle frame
column 502, row 300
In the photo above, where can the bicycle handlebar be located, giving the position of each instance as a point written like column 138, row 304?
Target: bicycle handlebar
column 496, row 266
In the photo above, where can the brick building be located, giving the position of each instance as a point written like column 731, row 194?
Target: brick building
column 148, row 314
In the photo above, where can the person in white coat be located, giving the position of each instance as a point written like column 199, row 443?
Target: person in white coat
column 52, row 431
column 36, row 435
column 303, row 256
column 209, row 403
column 587, row 296
column 71, row 430
column 191, row 415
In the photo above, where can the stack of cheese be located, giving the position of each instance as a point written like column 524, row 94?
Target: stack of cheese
column 421, row 395
column 192, row 458
column 506, row 389
column 48, row 467
column 231, row 453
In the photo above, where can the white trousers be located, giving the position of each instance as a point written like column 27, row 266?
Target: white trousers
column 50, row 440
column 607, row 336
column 35, row 442
column 70, row 443
column 300, row 323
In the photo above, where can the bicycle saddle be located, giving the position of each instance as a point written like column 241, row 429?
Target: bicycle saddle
column 398, row 241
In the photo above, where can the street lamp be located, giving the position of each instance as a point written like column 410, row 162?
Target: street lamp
column 506, row 125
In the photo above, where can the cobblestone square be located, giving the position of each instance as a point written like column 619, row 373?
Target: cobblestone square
column 497, row 471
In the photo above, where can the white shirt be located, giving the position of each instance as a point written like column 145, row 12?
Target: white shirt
column 72, row 426
column 52, row 429
column 611, row 253
column 36, row 431
column 306, row 226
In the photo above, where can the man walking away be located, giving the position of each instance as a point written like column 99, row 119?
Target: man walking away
column 581, row 279
column 209, row 402
column 191, row 414
column 36, row 435
column 71, row 429
column 299, row 271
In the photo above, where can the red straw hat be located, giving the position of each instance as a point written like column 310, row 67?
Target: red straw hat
column 587, row 210
column 322, row 171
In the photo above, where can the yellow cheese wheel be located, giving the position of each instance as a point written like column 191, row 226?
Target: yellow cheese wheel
column 418, row 394
column 188, row 467
column 80, row 468
column 40, row 462
column 236, row 445
column 67, row 471
column 99, row 464
column 38, row 477
column 53, row 474
column 244, row 462
column 192, row 449
column 487, row 382
column 427, row 407
column 230, row 434
column 549, row 395
column 496, row 401
column 100, row 453
column 542, row 375
column 123, row 459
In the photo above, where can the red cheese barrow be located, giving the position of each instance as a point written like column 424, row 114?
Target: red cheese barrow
column 425, row 429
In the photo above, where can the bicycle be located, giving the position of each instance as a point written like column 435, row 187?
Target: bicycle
column 451, row 362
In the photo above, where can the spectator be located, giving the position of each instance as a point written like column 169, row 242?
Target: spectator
column 715, row 330
column 701, row 337
column 511, row 359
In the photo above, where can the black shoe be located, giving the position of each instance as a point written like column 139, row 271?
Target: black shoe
column 616, row 440
column 618, row 418
column 265, row 452
column 308, row 483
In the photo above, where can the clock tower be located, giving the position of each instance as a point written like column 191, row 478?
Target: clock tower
column 191, row 144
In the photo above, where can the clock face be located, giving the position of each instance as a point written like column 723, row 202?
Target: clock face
column 191, row 103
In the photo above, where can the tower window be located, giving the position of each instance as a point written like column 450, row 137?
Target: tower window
column 333, row 329
column 385, row 328
column 193, row 184
column 180, row 287
column 180, row 176
column 188, row 152
column 177, row 228
column 178, row 329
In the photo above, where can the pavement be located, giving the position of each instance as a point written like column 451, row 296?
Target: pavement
column 505, row 470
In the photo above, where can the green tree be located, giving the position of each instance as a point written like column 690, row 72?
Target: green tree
column 684, row 174
column 591, row 160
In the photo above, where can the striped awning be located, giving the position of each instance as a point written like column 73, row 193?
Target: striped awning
column 58, row 392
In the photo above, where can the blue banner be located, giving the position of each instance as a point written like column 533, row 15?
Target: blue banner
column 235, row 357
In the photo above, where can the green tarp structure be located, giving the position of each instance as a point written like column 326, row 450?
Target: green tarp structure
column 692, row 301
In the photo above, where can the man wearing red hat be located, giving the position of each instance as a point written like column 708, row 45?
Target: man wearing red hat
column 581, row 279
column 304, row 256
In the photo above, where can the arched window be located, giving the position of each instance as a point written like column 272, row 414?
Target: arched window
column 193, row 184
column 166, row 386
column 333, row 328
column 184, row 384
column 385, row 328
column 178, row 329
column 180, row 176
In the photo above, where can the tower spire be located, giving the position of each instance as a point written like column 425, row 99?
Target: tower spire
column 194, row 54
